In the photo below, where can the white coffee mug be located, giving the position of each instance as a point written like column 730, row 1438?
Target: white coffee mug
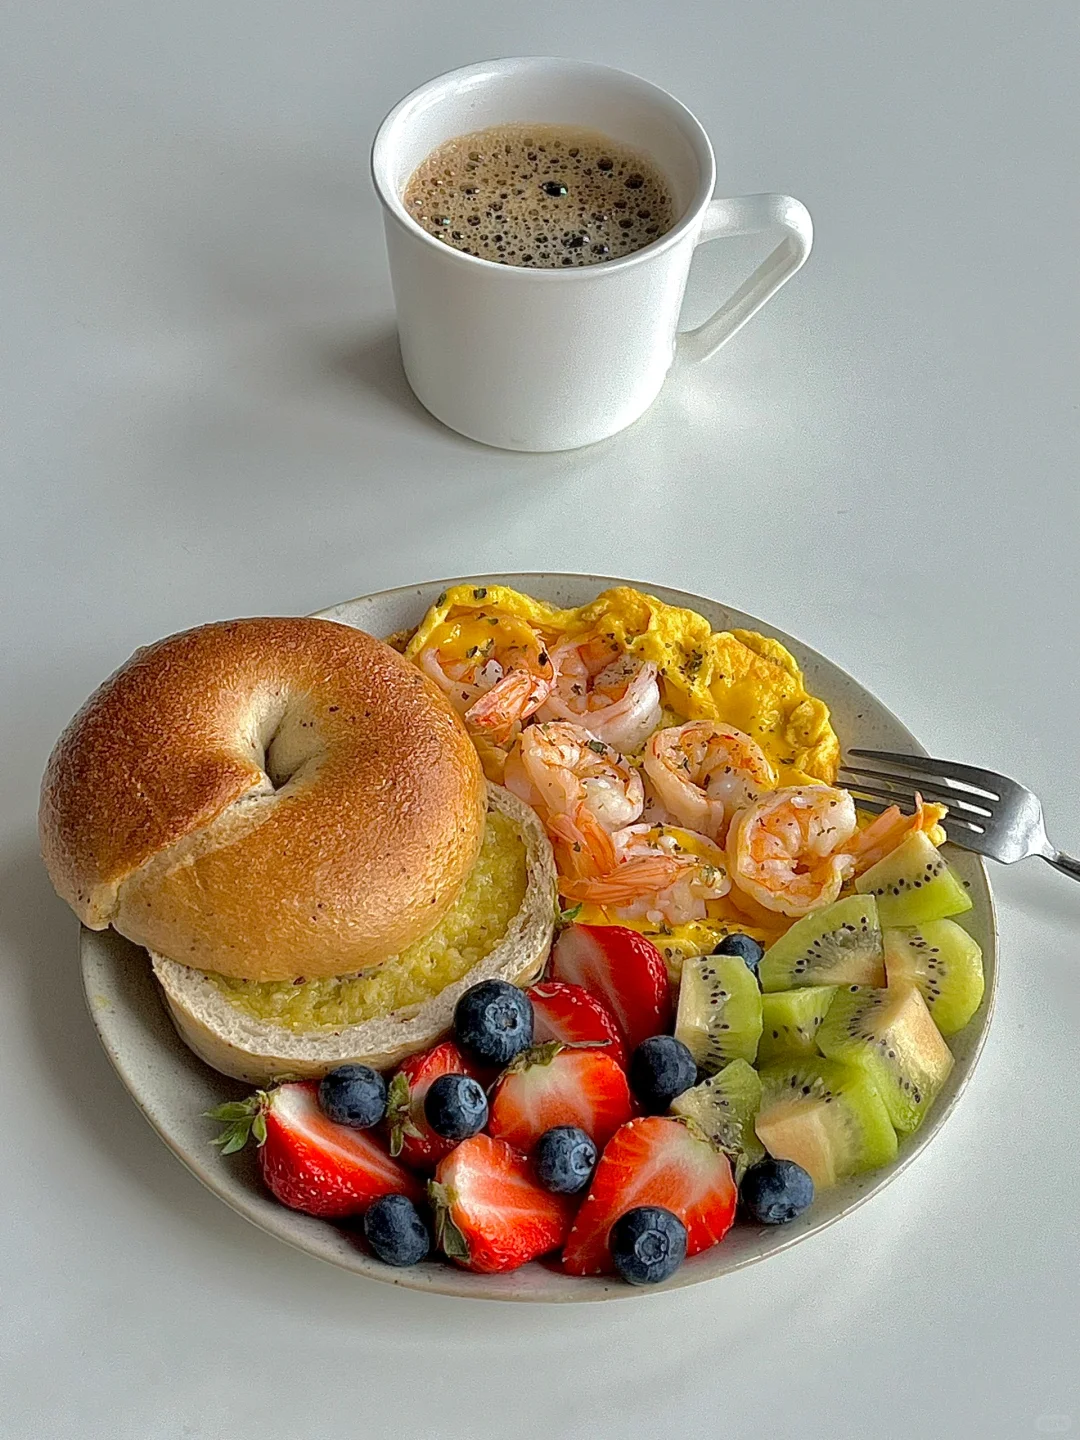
column 552, row 359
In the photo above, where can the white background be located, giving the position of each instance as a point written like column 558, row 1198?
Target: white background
column 204, row 417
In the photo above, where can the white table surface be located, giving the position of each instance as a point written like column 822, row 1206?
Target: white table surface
column 204, row 417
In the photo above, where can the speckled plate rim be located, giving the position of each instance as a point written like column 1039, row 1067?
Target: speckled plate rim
column 173, row 1088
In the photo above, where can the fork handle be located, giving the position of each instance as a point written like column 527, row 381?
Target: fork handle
column 1065, row 863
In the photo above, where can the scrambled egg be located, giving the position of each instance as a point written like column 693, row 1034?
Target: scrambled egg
column 467, row 933
column 737, row 677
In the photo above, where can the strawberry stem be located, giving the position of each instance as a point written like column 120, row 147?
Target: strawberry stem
column 448, row 1237
column 399, row 1114
column 240, row 1120
column 542, row 1054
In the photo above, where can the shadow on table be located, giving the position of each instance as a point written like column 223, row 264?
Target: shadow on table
column 372, row 364
column 39, row 936
column 39, row 939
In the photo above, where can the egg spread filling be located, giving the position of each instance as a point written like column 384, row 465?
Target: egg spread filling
column 469, row 931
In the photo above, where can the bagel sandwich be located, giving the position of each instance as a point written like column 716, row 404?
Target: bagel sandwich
column 293, row 821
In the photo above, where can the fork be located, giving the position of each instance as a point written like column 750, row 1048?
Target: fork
column 988, row 813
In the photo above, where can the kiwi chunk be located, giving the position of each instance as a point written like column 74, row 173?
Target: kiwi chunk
column 840, row 945
column 914, row 884
column 826, row 1116
column 889, row 1034
column 719, row 1015
column 944, row 962
column 790, row 1020
column 725, row 1107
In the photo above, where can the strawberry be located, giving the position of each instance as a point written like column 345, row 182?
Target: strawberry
column 624, row 970
column 490, row 1214
column 411, row 1136
column 307, row 1161
column 571, row 1014
column 657, row 1160
column 554, row 1085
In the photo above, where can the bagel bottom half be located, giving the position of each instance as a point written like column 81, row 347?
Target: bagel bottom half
column 216, row 1019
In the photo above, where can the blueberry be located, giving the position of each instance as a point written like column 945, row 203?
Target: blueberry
column 647, row 1244
column 456, row 1107
column 565, row 1158
column 775, row 1191
column 353, row 1095
column 661, row 1068
column 493, row 1022
column 395, row 1231
column 747, row 949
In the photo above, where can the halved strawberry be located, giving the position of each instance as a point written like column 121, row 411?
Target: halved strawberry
column 574, row 1015
column 656, row 1160
column 622, row 968
column 411, row 1137
column 490, row 1214
column 552, row 1085
column 307, row 1161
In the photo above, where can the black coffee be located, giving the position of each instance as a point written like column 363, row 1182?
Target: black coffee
column 541, row 196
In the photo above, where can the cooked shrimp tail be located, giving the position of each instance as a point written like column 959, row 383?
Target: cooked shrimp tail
column 584, row 849
column 666, row 874
column 633, row 880
column 890, row 829
column 509, row 701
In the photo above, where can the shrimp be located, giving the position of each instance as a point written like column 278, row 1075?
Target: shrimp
column 495, row 670
column 613, row 695
column 702, row 772
column 582, row 789
column 883, row 835
column 663, row 874
column 786, row 849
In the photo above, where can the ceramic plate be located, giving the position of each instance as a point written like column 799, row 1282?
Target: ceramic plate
column 173, row 1088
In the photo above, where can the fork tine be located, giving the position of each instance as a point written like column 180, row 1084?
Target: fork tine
column 962, row 824
column 890, row 797
column 873, row 807
column 947, row 769
column 956, row 799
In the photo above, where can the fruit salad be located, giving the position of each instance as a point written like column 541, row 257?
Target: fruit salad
column 618, row 1120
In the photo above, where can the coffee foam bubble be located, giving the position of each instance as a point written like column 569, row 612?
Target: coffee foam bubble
column 540, row 196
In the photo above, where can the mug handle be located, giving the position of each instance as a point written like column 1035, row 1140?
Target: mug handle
column 748, row 215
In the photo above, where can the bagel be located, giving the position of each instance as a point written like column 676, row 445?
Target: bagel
column 265, row 799
column 229, row 1038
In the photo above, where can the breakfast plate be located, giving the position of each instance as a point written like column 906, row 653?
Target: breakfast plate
column 174, row 1090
